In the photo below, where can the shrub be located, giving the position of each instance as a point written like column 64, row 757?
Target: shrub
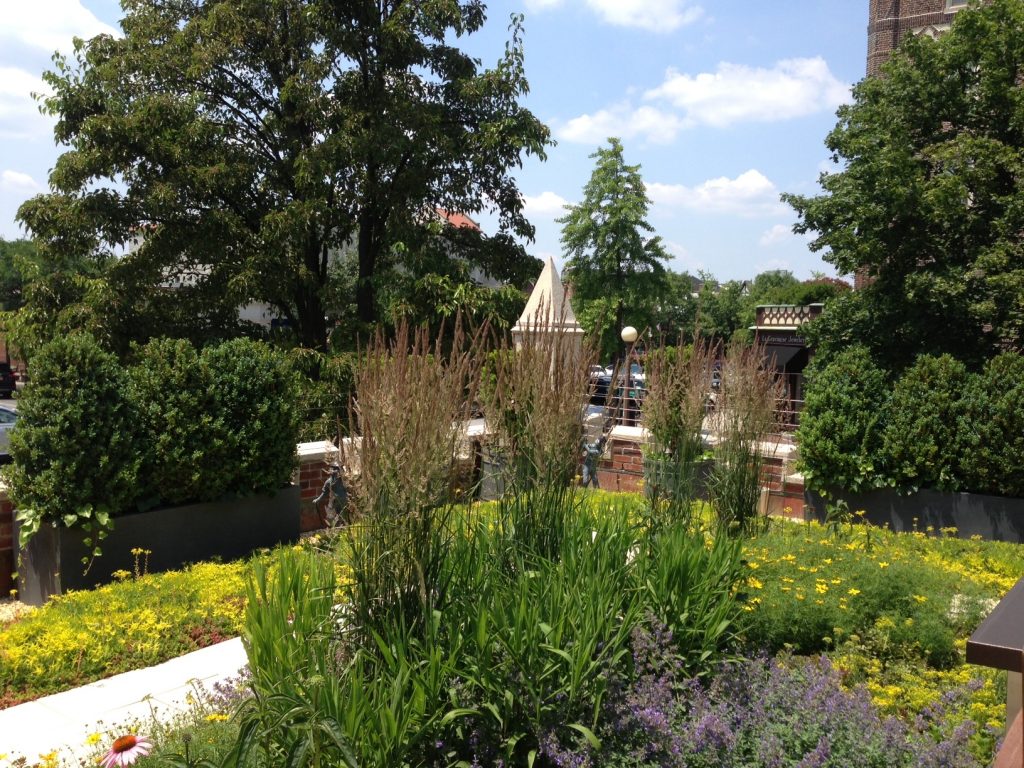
column 74, row 448
column 839, row 426
column 256, row 426
column 921, row 423
column 990, row 448
column 171, row 391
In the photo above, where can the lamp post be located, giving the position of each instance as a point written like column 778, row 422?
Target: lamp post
column 629, row 335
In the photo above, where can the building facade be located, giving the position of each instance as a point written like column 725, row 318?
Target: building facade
column 889, row 21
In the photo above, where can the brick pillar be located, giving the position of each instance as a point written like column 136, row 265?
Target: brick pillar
column 314, row 461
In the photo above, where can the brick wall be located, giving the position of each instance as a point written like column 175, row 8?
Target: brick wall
column 889, row 21
column 314, row 459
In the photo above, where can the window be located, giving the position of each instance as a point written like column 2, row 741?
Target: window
column 954, row 4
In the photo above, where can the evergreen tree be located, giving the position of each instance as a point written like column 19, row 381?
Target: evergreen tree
column 614, row 262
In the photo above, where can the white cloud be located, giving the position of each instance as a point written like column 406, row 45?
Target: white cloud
column 545, row 204
column 750, row 194
column 649, row 123
column 49, row 25
column 652, row 15
column 737, row 93
column 777, row 234
column 16, row 181
column 19, row 112
column 683, row 260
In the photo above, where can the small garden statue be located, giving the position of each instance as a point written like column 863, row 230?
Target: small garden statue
column 336, row 495
column 591, row 455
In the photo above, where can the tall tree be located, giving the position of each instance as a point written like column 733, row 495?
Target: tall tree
column 243, row 143
column 614, row 263
column 930, row 201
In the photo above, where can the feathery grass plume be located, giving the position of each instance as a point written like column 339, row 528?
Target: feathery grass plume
column 411, row 405
column 744, row 421
column 535, row 400
column 678, row 387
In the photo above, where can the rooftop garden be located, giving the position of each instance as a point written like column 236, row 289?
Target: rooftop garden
column 557, row 626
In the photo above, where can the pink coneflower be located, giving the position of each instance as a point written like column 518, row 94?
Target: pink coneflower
column 126, row 750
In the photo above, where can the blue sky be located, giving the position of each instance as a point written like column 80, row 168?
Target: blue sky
column 724, row 103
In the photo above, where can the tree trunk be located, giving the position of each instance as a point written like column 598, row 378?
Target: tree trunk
column 366, row 295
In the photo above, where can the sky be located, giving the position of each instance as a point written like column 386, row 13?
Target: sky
column 725, row 104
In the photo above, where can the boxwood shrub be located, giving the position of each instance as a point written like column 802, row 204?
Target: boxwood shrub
column 921, row 422
column 941, row 426
column 74, row 449
column 172, row 392
column 840, row 427
column 96, row 439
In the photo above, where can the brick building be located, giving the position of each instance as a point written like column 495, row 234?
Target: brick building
column 889, row 21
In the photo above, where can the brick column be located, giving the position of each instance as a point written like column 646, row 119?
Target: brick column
column 314, row 461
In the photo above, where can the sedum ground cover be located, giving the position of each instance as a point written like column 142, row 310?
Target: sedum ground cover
column 142, row 620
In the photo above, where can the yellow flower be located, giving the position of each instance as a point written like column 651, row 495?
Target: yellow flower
column 754, row 583
column 753, row 566
column 799, row 596
column 216, row 717
column 821, row 588
column 93, row 739
column 883, row 564
column 921, row 598
column 853, row 591
column 786, row 580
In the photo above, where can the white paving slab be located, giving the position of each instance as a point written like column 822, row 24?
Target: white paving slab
column 63, row 722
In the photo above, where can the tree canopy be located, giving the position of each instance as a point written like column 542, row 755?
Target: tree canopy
column 929, row 203
column 615, row 263
column 244, row 144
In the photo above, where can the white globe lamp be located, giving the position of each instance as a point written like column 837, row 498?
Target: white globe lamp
column 629, row 334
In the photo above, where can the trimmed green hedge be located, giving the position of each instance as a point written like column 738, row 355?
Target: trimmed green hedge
column 96, row 439
column 938, row 426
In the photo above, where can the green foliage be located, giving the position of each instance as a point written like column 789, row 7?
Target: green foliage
column 922, row 418
column 927, row 202
column 611, row 262
column 990, row 434
column 74, row 448
column 840, row 428
column 85, row 636
column 171, row 391
column 251, row 167
column 689, row 589
column 95, row 440
column 897, row 597
column 325, row 391
column 256, row 423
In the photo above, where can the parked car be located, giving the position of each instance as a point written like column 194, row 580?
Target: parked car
column 8, row 418
column 8, row 384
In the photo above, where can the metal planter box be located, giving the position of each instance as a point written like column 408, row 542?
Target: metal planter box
column 994, row 518
column 175, row 536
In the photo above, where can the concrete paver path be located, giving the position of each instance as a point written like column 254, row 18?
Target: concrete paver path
column 63, row 722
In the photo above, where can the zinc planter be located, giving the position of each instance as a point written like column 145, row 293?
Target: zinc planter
column 994, row 518
column 51, row 564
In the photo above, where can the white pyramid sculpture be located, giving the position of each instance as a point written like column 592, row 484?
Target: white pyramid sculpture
column 548, row 310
